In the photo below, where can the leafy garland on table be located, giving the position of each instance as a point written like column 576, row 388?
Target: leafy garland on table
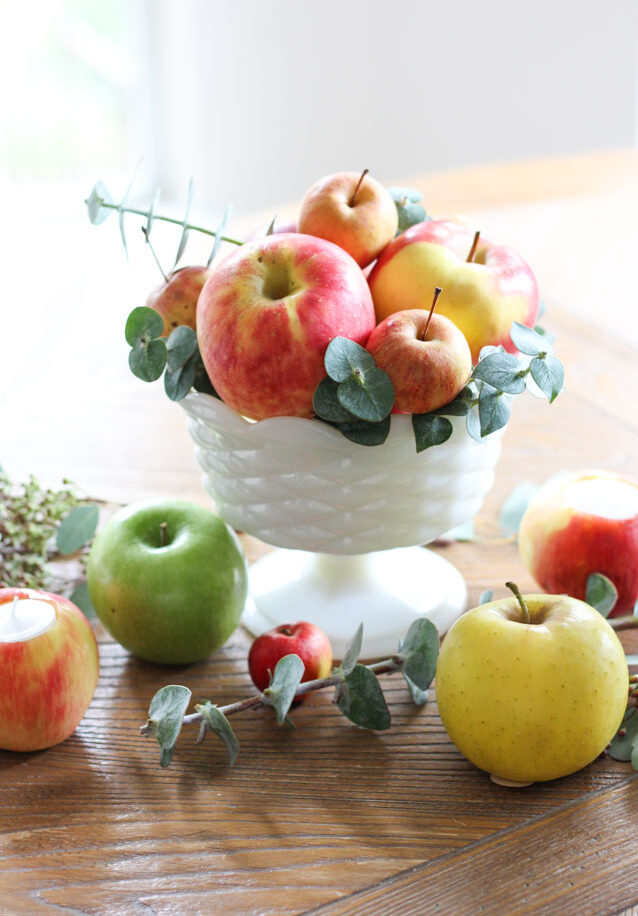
column 356, row 396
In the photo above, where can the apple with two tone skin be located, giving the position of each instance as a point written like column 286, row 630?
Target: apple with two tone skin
column 168, row 580
column 580, row 523
column 354, row 211
column 304, row 639
column 483, row 296
column 176, row 298
column 266, row 315
column 531, row 701
column 47, row 681
column 426, row 357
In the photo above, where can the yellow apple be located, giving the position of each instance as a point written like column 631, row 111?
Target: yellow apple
column 528, row 702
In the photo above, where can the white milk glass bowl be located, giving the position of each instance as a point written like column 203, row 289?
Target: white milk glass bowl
column 349, row 518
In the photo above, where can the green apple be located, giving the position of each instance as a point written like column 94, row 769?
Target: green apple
column 168, row 580
column 528, row 702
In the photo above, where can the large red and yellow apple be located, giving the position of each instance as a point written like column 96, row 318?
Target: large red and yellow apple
column 531, row 701
column 426, row 357
column 266, row 315
column 482, row 296
column 354, row 211
column 176, row 298
column 49, row 668
column 580, row 523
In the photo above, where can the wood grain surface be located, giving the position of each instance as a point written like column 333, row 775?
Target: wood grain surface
column 327, row 817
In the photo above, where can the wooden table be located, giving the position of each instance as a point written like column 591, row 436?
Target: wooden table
column 326, row 818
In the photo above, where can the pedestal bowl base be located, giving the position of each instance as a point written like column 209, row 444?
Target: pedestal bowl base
column 385, row 591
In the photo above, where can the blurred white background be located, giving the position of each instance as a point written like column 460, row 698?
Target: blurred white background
column 256, row 99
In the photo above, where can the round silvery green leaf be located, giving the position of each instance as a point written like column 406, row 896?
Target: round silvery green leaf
column 549, row 375
column 494, row 410
column 143, row 324
column 181, row 345
column 368, row 394
column 178, row 382
column 502, row 371
column 601, row 593
column 326, row 403
column 95, row 203
column 527, row 340
column 344, row 356
column 147, row 360
column 76, row 529
column 430, row 429
column 366, row 433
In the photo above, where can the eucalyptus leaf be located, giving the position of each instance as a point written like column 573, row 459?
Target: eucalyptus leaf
column 459, row 406
column 549, row 375
column 165, row 717
column 143, row 324
column 81, row 598
column 326, row 403
column 360, row 698
column 622, row 747
column 76, row 529
column 486, row 596
column 180, row 346
column 430, row 429
column 120, row 214
column 368, row 394
column 419, row 697
column 601, row 593
column 400, row 194
column 343, row 356
column 219, row 234
column 494, row 410
column 95, row 204
column 473, row 423
column 184, row 236
column 419, row 651
column 528, row 340
column 366, row 433
column 178, row 382
column 215, row 721
column 151, row 213
column 281, row 691
column 147, row 361
column 352, row 652
column 502, row 371
column 488, row 349
column 271, row 225
column 514, row 507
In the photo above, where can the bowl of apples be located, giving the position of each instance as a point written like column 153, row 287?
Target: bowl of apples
column 359, row 371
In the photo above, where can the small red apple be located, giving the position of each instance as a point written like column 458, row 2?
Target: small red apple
column 48, row 668
column 487, row 286
column 354, row 211
column 304, row 639
column 176, row 298
column 581, row 523
column 266, row 315
column 425, row 355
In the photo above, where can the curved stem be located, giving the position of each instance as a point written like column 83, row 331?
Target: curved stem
column 477, row 236
column 353, row 199
column 513, row 587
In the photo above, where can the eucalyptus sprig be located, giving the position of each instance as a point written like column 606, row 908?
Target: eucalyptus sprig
column 409, row 209
column 358, row 692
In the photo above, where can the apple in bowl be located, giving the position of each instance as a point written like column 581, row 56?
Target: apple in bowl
column 176, row 298
column 354, row 211
column 580, row 523
column 266, row 315
column 483, row 295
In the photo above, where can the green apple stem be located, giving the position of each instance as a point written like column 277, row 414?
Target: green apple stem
column 154, row 253
column 437, row 293
column 163, row 527
column 353, row 199
column 477, row 236
column 513, row 587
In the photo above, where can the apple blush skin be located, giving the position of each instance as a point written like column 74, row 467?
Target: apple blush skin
column 482, row 297
column 304, row 639
column 561, row 546
column 362, row 228
column 531, row 702
column 266, row 315
column 175, row 300
column 47, row 682
column 426, row 373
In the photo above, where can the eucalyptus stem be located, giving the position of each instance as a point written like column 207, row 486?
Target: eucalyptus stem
column 623, row 623
column 386, row 666
column 168, row 219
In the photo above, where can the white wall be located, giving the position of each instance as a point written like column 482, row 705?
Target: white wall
column 258, row 98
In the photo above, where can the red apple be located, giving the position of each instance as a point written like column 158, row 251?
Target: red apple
column 48, row 669
column 266, row 315
column 176, row 298
column 482, row 296
column 303, row 639
column 356, row 213
column 581, row 523
column 426, row 357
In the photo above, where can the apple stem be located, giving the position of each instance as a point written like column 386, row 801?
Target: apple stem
column 513, row 587
column 163, row 527
column 477, row 236
column 356, row 190
column 153, row 252
column 437, row 293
